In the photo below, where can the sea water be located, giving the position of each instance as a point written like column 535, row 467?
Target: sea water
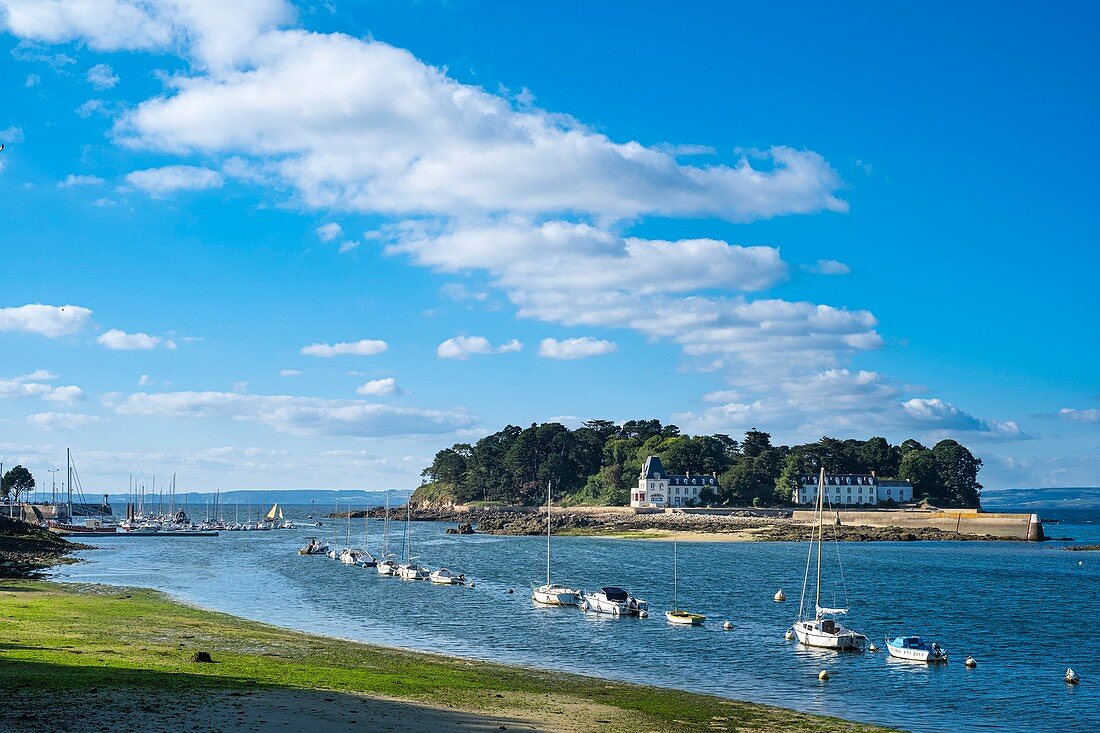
column 1024, row 611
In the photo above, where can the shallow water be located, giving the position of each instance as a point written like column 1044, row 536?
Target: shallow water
column 1022, row 610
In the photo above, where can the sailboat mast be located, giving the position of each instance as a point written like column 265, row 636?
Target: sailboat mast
column 549, row 501
column 386, row 524
column 820, row 511
column 69, row 481
column 675, row 576
column 349, row 523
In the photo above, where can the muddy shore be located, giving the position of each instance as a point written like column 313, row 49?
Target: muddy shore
column 26, row 550
column 747, row 525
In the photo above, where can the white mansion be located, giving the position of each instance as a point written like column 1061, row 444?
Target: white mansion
column 656, row 488
column 853, row 489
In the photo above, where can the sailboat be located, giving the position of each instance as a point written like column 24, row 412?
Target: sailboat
column 349, row 556
column 823, row 630
column 678, row 615
column 411, row 569
column 386, row 565
column 275, row 514
column 552, row 594
column 366, row 559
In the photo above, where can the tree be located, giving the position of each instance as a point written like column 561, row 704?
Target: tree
column 15, row 482
column 909, row 446
column 919, row 467
column 879, row 456
column 755, row 443
column 957, row 471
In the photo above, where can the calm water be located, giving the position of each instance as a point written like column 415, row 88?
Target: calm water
column 1024, row 611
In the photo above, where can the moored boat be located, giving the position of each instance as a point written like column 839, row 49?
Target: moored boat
column 915, row 649
column 443, row 576
column 613, row 601
column 413, row 571
column 552, row 594
column 677, row 615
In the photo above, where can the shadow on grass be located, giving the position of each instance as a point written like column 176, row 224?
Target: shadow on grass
column 163, row 701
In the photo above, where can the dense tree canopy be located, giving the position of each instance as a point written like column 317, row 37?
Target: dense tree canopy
column 599, row 462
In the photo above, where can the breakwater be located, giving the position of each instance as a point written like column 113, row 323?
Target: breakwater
column 958, row 521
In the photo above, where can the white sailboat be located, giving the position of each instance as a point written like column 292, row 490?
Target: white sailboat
column 823, row 630
column 411, row 569
column 552, row 594
column 386, row 564
column 366, row 559
column 678, row 615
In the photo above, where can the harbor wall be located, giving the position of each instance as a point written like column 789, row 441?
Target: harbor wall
column 963, row 521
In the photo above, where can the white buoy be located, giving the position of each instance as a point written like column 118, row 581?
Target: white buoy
column 727, row 625
column 823, row 675
column 1072, row 678
column 780, row 596
column 872, row 648
column 970, row 662
column 471, row 585
column 643, row 614
column 789, row 634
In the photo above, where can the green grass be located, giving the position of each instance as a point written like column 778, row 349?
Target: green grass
column 71, row 638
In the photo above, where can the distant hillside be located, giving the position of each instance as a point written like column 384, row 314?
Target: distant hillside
column 321, row 497
column 1078, row 497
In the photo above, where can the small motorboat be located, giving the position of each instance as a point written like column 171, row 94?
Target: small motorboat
column 915, row 649
column 333, row 554
column 386, row 567
column 443, row 576
column 614, row 602
column 555, row 595
column 350, row 556
column 684, row 618
column 413, row 571
column 313, row 547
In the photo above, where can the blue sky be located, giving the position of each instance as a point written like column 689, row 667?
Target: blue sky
column 853, row 221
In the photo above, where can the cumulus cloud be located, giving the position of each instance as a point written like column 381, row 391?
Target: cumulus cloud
column 291, row 414
column 290, row 373
column 171, row 178
column 51, row 321
column 74, row 179
column 329, row 232
column 575, row 348
column 1089, row 416
column 62, row 420
column 36, row 384
column 365, row 347
column 119, row 340
column 379, row 387
column 829, row 267
column 101, row 76
column 462, row 347
column 945, row 416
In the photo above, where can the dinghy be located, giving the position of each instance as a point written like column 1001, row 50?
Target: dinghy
column 915, row 649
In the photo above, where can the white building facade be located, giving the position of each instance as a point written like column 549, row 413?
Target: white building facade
column 657, row 488
column 853, row 489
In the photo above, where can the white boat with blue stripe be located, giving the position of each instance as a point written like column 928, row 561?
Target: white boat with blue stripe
column 915, row 649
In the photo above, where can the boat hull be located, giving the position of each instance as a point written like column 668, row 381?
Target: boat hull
column 683, row 618
column 554, row 596
column 843, row 640
column 386, row 567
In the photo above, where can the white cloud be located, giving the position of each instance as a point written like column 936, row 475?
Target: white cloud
column 62, row 420
column 118, row 340
column 349, row 245
column 145, row 380
column 944, row 416
column 462, row 347
column 297, row 415
column 829, row 267
column 290, row 373
column 458, row 291
column 33, row 80
column 93, row 107
column 1088, row 416
column 35, row 385
column 379, row 387
column 171, row 178
column 51, row 321
column 74, row 179
column 70, row 393
column 575, row 348
column 329, row 232
column 365, row 347
column 101, row 76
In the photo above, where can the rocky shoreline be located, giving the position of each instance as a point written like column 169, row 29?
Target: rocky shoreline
column 748, row 525
column 27, row 550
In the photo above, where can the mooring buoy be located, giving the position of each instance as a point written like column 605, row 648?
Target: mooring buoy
column 780, row 596
column 872, row 648
column 970, row 662
column 1072, row 678
column 789, row 634
column 823, row 675
column 727, row 625
column 643, row 614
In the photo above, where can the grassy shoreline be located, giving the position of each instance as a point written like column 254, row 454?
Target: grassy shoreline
column 77, row 640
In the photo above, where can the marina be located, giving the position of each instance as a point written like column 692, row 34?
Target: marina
column 1010, row 689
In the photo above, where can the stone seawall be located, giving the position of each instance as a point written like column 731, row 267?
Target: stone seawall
column 963, row 521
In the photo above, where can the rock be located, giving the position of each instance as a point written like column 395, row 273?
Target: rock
column 201, row 657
